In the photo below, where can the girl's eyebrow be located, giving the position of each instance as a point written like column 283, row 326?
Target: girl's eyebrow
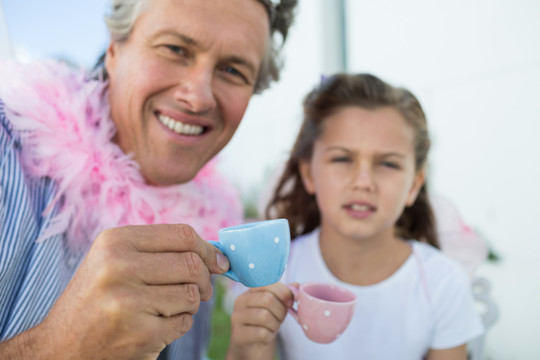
column 337, row 148
column 393, row 154
column 344, row 149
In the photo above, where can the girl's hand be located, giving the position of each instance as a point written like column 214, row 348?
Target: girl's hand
column 456, row 353
column 255, row 321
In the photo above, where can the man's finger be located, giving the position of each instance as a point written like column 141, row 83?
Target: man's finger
column 172, row 238
column 171, row 300
column 171, row 268
column 176, row 326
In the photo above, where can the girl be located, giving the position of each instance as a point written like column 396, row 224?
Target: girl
column 355, row 195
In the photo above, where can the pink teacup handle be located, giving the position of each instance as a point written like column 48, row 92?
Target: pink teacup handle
column 292, row 311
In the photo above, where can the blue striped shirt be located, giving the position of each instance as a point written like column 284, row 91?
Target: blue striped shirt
column 34, row 274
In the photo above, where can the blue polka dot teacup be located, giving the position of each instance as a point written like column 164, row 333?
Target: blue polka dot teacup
column 258, row 251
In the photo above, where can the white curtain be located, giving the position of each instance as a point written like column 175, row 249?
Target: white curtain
column 5, row 50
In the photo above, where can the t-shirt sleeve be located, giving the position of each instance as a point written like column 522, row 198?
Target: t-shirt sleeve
column 456, row 319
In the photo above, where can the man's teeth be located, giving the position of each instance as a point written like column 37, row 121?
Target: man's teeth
column 179, row 127
column 357, row 207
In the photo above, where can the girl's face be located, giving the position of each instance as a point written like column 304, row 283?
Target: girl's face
column 363, row 172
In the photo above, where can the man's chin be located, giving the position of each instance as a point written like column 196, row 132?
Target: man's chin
column 169, row 178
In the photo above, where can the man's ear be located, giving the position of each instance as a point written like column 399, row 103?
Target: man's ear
column 304, row 167
column 111, row 57
column 419, row 180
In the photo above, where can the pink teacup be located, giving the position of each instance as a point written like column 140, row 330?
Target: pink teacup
column 324, row 310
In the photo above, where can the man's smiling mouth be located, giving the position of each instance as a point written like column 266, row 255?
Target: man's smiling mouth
column 179, row 127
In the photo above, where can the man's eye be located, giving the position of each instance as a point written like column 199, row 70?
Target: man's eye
column 234, row 72
column 176, row 49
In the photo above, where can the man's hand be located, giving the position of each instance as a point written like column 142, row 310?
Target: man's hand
column 135, row 292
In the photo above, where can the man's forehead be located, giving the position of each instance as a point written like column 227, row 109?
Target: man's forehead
column 202, row 22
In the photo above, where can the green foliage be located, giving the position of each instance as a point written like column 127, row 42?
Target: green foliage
column 249, row 200
column 493, row 256
column 250, row 210
column 221, row 326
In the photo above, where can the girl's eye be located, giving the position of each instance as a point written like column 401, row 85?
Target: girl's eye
column 341, row 159
column 390, row 164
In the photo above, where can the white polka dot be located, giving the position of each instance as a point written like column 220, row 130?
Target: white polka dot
column 327, row 313
column 233, row 247
column 251, row 266
column 276, row 240
column 305, row 327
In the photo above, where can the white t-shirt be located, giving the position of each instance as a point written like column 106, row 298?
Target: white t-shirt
column 426, row 304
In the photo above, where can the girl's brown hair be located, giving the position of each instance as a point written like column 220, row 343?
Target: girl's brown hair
column 291, row 201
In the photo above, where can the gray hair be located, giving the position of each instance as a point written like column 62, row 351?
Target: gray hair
column 124, row 13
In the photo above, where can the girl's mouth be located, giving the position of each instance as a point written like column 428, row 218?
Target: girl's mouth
column 358, row 207
column 359, row 210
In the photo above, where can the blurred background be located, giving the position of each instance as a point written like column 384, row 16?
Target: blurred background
column 474, row 65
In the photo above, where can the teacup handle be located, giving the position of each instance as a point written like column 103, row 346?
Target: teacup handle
column 291, row 310
column 229, row 272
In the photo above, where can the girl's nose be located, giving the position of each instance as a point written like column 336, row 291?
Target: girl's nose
column 363, row 179
column 195, row 90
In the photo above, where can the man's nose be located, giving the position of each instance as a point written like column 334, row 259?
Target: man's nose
column 195, row 90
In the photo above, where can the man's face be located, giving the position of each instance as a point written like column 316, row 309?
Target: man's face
column 181, row 83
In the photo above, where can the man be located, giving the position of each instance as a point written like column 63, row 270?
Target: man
column 180, row 76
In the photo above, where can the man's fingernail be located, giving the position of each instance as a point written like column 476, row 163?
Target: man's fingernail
column 222, row 262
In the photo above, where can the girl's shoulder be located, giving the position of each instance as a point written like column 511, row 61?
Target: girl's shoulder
column 432, row 257
column 440, row 271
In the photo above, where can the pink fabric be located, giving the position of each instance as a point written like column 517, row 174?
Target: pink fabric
column 63, row 122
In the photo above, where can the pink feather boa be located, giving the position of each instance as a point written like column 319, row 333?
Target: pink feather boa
column 63, row 122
